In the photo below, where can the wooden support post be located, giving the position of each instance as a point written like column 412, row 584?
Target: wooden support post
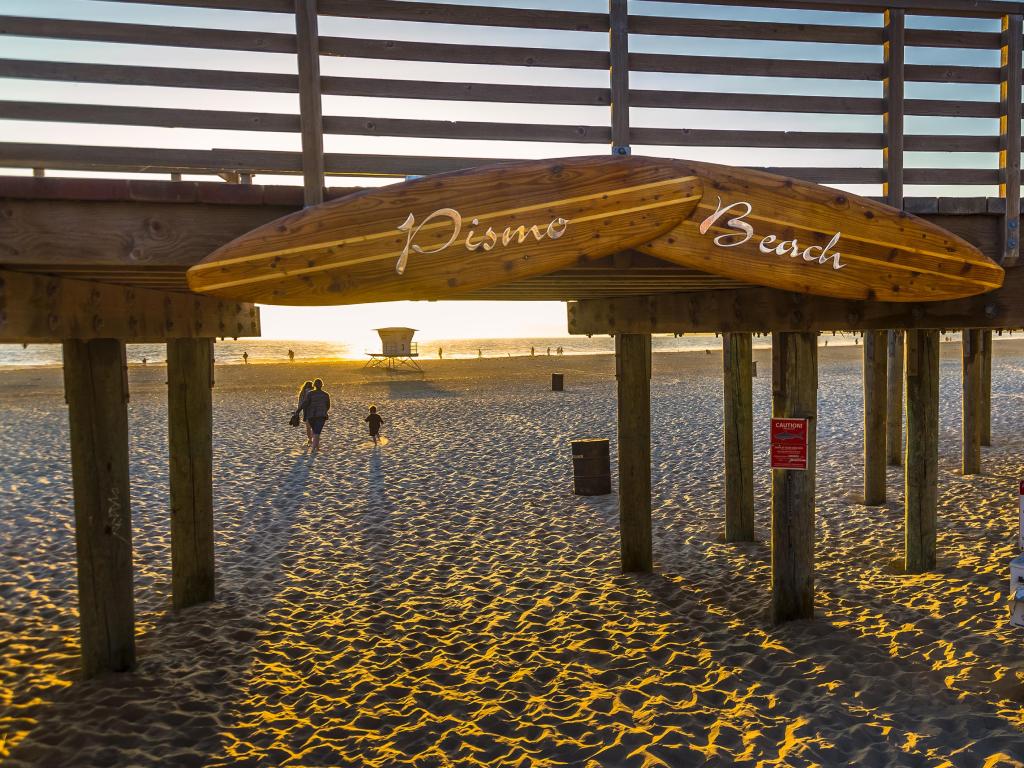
column 875, row 395
column 633, row 374
column 618, row 49
column 96, row 389
column 893, row 52
column 310, row 106
column 794, row 395
column 1010, row 135
column 893, row 118
column 894, row 401
column 39, row 173
column 986, row 387
column 971, row 423
column 190, row 434
column 921, row 466
column 739, row 437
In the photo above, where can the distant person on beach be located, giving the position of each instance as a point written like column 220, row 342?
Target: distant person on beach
column 440, row 353
column 306, row 387
column 374, row 422
column 479, row 354
column 533, row 351
column 291, row 356
column 245, row 358
column 143, row 361
column 315, row 404
column 549, row 351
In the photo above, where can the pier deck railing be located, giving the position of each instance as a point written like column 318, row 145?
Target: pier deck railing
column 881, row 52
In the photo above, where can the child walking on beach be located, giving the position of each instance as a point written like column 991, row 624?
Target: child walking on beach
column 374, row 421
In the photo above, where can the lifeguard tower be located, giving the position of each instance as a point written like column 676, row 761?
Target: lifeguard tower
column 398, row 350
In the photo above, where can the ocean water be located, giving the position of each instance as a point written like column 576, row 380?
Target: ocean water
column 274, row 350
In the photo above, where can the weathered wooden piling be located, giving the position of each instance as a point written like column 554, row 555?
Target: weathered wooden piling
column 894, row 401
column 794, row 395
column 96, row 388
column 986, row 388
column 190, row 434
column 875, row 395
column 973, row 374
column 633, row 374
column 921, row 464
column 739, row 436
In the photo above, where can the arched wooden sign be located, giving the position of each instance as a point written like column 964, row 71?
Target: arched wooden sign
column 439, row 236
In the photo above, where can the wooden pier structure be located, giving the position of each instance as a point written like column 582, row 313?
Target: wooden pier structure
column 95, row 263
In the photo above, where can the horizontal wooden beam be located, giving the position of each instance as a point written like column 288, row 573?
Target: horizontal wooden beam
column 453, row 53
column 762, row 310
column 147, row 34
column 969, row 8
column 42, row 308
column 482, row 16
column 754, row 30
column 168, row 77
column 462, row 91
column 976, row 8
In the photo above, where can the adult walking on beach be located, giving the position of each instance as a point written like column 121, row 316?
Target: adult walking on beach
column 315, row 405
column 291, row 355
column 306, row 387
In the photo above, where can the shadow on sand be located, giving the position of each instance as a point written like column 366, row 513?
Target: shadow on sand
column 191, row 665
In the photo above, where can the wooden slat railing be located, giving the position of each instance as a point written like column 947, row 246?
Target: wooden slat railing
column 624, row 127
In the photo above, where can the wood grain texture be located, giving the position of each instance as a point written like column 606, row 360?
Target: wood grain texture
column 190, row 438
column 763, row 310
column 96, row 389
column 342, row 252
column 986, row 387
column 1010, row 78
column 921, row 464
column 348, row 251
column 618, row 51
column 42, row 308
column 307, row 39
column 633, row 377
column 738, row 440
column 888, row 255
column 972, row 376
column 794, row 395
column 893, row 88
column 875, row 411
column 894, row 400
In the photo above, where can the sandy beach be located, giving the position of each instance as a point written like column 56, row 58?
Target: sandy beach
column 446, row 601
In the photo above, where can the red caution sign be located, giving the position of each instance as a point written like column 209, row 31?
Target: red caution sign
column 789, row 443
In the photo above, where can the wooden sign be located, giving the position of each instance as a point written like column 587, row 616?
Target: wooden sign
column 797, row 236
column 436, row 236
column 789, row 443
column 439, row 236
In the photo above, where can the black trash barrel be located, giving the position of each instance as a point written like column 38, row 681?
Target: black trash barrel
column 591, row 467
column 557, row 382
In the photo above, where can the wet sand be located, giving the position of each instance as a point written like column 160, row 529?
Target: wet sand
column 446, row 600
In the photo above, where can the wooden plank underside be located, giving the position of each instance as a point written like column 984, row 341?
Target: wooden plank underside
column 40, row 308
column 763, row 310
column 146, row 233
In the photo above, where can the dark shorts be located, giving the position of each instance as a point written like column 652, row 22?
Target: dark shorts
column 317, row 424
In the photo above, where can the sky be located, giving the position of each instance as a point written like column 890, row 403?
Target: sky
column 480, row 319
